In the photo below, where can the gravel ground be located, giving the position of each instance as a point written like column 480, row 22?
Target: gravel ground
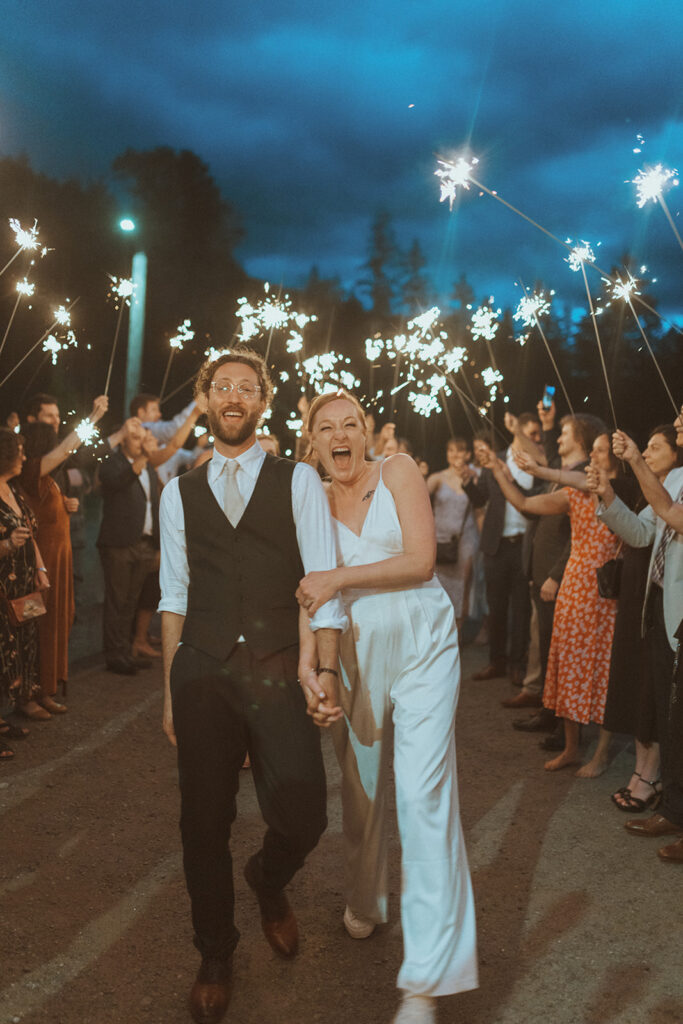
column 579, row 922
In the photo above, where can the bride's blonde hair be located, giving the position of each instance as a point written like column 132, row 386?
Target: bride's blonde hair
column 318, row 403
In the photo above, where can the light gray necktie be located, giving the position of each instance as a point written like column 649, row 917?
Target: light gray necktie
column 233, row 502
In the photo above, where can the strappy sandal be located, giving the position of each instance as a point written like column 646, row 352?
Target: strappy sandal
column 634, row 805
column 6, row 752
column 13, row 732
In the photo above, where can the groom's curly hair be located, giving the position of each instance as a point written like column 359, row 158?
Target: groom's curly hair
column 247, row 357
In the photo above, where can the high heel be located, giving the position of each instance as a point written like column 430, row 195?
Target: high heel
column 634, row 803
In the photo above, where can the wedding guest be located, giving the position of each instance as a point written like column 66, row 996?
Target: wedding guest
column 630, row 704
column 583, row 624
column 507, row 590
column 52, row 509
column 659, row 524
column 21, row 572
column 454, row 518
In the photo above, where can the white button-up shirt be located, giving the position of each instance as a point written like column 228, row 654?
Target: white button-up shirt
column 312, row 519
column 514, row 522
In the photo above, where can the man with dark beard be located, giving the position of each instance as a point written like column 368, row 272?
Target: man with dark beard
column 237, row 535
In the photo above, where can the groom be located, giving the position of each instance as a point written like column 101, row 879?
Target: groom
column 237, row 535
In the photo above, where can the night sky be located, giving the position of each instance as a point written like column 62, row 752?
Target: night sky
column 313, row 116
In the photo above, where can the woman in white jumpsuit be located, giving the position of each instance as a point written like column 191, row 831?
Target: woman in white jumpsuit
column 400, row 679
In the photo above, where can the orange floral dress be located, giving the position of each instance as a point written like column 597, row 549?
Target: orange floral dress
column 583, row 625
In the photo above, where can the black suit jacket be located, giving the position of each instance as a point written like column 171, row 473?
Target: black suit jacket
column 124, row 503
column 485, row 491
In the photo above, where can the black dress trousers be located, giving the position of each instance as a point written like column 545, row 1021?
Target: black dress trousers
column 221, row 710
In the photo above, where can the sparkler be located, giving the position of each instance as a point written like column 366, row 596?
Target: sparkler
column 520, row 213
column 625, row 290
column 453, row 176
column 651, row 184
column 577, row 259
column 41, row 339
column 531, row 307
column 123, row 290
column 271, row 314
column 24, row 288
column 27, row 240
column 183, row 335
column 56, row 343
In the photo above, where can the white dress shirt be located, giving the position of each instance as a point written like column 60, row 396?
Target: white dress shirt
column 312, row 519
column 143, row 477
column 514, row 522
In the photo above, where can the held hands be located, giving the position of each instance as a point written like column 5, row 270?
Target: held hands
column 549, row 590
column 315, row 589
column 320, row 691
column 598, row 483
column 71, row 505
column 623, row 447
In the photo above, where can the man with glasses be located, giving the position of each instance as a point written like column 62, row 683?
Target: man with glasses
column 237, row 535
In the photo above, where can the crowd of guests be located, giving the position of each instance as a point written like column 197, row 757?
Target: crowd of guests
column 523, row 528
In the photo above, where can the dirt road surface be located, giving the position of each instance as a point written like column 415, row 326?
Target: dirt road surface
column 579, row 922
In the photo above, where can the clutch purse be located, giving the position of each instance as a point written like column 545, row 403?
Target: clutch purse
column 24, row 609
column 609, row 576
column 447, row 551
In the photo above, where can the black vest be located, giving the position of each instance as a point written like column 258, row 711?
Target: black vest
column 243, row 579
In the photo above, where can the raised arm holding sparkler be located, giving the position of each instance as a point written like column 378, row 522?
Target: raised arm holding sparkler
column 83, row 433
column 653, row 490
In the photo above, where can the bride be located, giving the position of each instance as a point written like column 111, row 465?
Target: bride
column 400, row 680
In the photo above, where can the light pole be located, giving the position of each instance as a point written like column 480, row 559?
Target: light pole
column 136, row 319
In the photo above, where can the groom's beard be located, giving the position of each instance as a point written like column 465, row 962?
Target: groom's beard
column 234, row 432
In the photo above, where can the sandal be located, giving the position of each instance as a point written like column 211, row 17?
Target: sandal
column 634, row 805
column 13, row 732
column 6, row 752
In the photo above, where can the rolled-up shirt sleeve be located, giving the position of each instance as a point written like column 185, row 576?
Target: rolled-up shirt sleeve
column 315, row 534
column 174, row 573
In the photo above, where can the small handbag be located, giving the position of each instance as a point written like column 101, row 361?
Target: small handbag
column 24, row 609
column 447, row 551
column 609, row 576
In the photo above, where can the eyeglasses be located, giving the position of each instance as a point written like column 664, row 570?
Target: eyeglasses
column 227, row 388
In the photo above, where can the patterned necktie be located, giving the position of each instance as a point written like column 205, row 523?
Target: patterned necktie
column 233, row 502
column 660, row 553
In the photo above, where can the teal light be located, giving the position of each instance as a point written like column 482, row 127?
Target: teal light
column 127, row 224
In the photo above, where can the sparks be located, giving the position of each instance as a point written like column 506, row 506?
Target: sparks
column 25, row 239
column 580, row 254
column 623, row 289
column 184, row 334
column 122, row 288
column 531, row 308
column 485, row 321
column 86, row 431
column 650, row 183
column 453, row 175
column 25, row 287
column 491, row 378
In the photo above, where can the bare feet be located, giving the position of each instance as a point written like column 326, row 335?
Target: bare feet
column 563, row 760
column 592, row 769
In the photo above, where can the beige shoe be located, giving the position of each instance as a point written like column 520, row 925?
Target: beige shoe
column 416, row 1009
column 358, row 927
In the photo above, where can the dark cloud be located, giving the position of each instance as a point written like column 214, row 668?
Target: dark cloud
column 313, row 121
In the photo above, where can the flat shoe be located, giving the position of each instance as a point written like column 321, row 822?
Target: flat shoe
column 356, row 926
column 34, row 712
column 673, row 852
column 52, row 706
column 6, row 752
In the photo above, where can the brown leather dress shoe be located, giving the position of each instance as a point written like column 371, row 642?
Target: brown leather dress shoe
column 673, row 852
column 211, row 991
column 496, row 670
column 523, row 700
column 654, row 826
column 277, row 917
